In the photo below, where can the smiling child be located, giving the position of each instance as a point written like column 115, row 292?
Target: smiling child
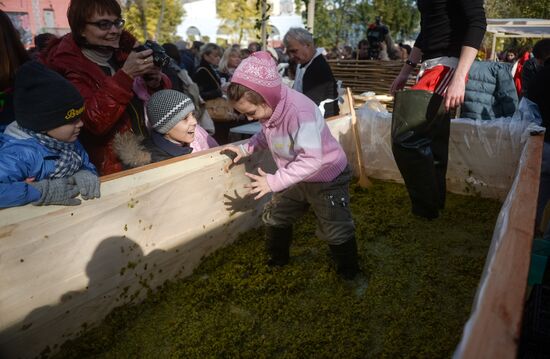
column 174, row 132
column 312, row 166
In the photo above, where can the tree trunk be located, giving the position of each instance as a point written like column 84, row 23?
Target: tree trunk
column 264, row 25
column 310, row 15
column 141, row 7
column 161, row 19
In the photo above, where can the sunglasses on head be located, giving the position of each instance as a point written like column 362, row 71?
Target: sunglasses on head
column 107, row 24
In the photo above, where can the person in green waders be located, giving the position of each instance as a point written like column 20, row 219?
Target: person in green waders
column 451, row 32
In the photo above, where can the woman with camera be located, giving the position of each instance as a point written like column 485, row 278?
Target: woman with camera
column 98, row 57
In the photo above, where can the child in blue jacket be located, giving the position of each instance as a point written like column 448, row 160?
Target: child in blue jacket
column 41, row 161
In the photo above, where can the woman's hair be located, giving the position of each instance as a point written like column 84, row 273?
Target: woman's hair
column 209, row 48
column 172, row 51
column 41, row 41
column 245, row 53
column 12, row 50
column 222, row 66
column 236, row 91
column 80, row 11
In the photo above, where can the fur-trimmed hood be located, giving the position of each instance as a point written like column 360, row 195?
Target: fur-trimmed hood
column 130, row 150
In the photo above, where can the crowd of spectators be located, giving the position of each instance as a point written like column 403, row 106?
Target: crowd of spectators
column 117, row 78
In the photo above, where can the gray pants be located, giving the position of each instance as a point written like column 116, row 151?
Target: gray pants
column 329, row 201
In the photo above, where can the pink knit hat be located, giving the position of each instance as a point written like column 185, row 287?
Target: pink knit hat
column 259, row 73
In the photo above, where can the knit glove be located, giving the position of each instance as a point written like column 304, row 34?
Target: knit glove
column 56, row 191
column 87, row 183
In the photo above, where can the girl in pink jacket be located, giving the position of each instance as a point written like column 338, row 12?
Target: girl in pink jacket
column 312, row 167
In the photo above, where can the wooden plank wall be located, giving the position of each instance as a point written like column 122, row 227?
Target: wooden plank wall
column 368, row 75
column 494, row 328
column 64, row 268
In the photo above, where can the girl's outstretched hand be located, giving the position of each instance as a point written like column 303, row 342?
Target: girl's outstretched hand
column 233, row 152
column 258, row 185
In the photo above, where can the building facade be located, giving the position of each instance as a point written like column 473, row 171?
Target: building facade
column 202, row 23
column 32, row 17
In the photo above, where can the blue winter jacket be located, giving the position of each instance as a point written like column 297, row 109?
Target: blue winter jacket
column 490, row 91
column 24, row 157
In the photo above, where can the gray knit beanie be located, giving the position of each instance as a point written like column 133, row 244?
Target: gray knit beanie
column 166, row 108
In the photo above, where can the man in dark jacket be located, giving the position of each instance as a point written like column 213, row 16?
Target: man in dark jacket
column 314, row 77
column 539, row 93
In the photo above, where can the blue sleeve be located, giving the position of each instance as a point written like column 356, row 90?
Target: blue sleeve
column 17, row 194
column 13, row 190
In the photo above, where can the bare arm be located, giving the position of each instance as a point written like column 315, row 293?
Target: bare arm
column 401, row 79
column 454, row 96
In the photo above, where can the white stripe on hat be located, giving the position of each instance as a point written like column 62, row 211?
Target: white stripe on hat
column 174, row 110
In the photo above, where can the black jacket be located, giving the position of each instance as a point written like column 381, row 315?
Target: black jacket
column 447, row 25
column 319, row 84
column 208, row 81
column 539, row 93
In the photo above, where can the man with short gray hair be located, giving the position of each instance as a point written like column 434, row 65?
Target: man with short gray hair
column 314, row 76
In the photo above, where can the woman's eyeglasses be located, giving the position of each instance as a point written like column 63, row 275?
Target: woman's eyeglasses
column 107, row 24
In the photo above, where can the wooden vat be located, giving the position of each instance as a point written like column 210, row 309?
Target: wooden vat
column 63, row 269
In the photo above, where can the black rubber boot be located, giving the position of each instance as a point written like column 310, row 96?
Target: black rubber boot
column 345, row 256
column 278, row 241
column 440, row 149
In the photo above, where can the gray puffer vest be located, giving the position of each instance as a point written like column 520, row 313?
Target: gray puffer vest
column 490, row 91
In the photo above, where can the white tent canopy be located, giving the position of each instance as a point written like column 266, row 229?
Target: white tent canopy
column 522, row 28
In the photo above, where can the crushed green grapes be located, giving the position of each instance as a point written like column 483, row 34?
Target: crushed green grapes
column 412, row 300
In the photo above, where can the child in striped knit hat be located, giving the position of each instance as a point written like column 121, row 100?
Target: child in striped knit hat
column 174, row 132
column 312, row 167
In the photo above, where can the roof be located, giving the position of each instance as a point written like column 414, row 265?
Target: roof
column 519, row 27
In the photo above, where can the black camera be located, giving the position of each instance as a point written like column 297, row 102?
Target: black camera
column 160, row 58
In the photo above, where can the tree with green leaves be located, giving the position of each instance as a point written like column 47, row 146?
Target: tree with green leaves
column 401, row 16
column 504, row 9
column 538, row 9
column 340, row 22
column 239, row 18
column 154, row 19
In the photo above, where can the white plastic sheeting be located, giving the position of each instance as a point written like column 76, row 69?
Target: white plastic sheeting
column 483, row 155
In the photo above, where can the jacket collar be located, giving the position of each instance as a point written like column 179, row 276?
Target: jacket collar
column 318, row 52
column 171, row 148
column 15, row 131
column 64, row 53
